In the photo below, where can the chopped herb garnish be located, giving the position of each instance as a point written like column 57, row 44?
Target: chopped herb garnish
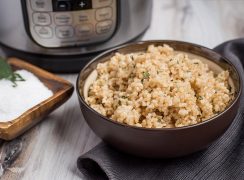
column 200, row 98
column 195, row 63
column 7, row 73
column 124, row 97
column 146, row 75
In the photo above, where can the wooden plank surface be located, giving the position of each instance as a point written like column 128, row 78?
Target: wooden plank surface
column 51, row 148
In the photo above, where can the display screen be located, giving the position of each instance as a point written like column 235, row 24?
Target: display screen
column 71, row 5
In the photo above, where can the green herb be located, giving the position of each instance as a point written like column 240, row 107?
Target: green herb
column 200, row 98
column 124, row 97
column 146, row 75
column 195, row 63
column 6, row 72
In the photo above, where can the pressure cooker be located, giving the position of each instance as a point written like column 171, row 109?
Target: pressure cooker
column 63, row 35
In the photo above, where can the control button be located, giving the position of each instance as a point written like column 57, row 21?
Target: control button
column 41, row 5
column 64, row 32
column 101, row 3
column 82, row 4
column 44, row 31
column 103, row 13
column 62, row 5
column 41, row 18
column 83, row 16
column 63, row 18
column 103, row 27
column 83, row 30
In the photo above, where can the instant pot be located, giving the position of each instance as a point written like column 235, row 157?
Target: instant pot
column 63, row 35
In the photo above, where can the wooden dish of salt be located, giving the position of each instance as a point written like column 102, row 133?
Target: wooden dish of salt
column 61, row 89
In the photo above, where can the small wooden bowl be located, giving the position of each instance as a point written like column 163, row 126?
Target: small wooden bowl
column 62, row 90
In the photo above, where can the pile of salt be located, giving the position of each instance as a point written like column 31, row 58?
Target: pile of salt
column 14, row 101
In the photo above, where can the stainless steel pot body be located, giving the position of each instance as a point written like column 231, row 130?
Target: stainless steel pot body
column 43, row 31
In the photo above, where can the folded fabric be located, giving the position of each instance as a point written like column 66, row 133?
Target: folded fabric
column 224, row 159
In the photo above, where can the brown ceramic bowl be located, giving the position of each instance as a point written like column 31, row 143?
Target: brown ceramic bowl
column 165, row 142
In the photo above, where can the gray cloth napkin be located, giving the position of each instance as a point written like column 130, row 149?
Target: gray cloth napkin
column 224, row 159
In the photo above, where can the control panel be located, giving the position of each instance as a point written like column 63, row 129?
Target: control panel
column 60, row 23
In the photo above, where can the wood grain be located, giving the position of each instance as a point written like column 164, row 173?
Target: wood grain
column 52, row 147
column 61, row 89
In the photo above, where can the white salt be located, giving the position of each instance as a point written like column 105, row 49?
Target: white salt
column 14, row 101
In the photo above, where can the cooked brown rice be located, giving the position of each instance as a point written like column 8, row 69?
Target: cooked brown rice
column 158, row 88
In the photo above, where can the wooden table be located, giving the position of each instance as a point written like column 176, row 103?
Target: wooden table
column 50, row 149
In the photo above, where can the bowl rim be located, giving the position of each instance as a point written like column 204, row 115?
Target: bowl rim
column 82, row 100
column 17, row 126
